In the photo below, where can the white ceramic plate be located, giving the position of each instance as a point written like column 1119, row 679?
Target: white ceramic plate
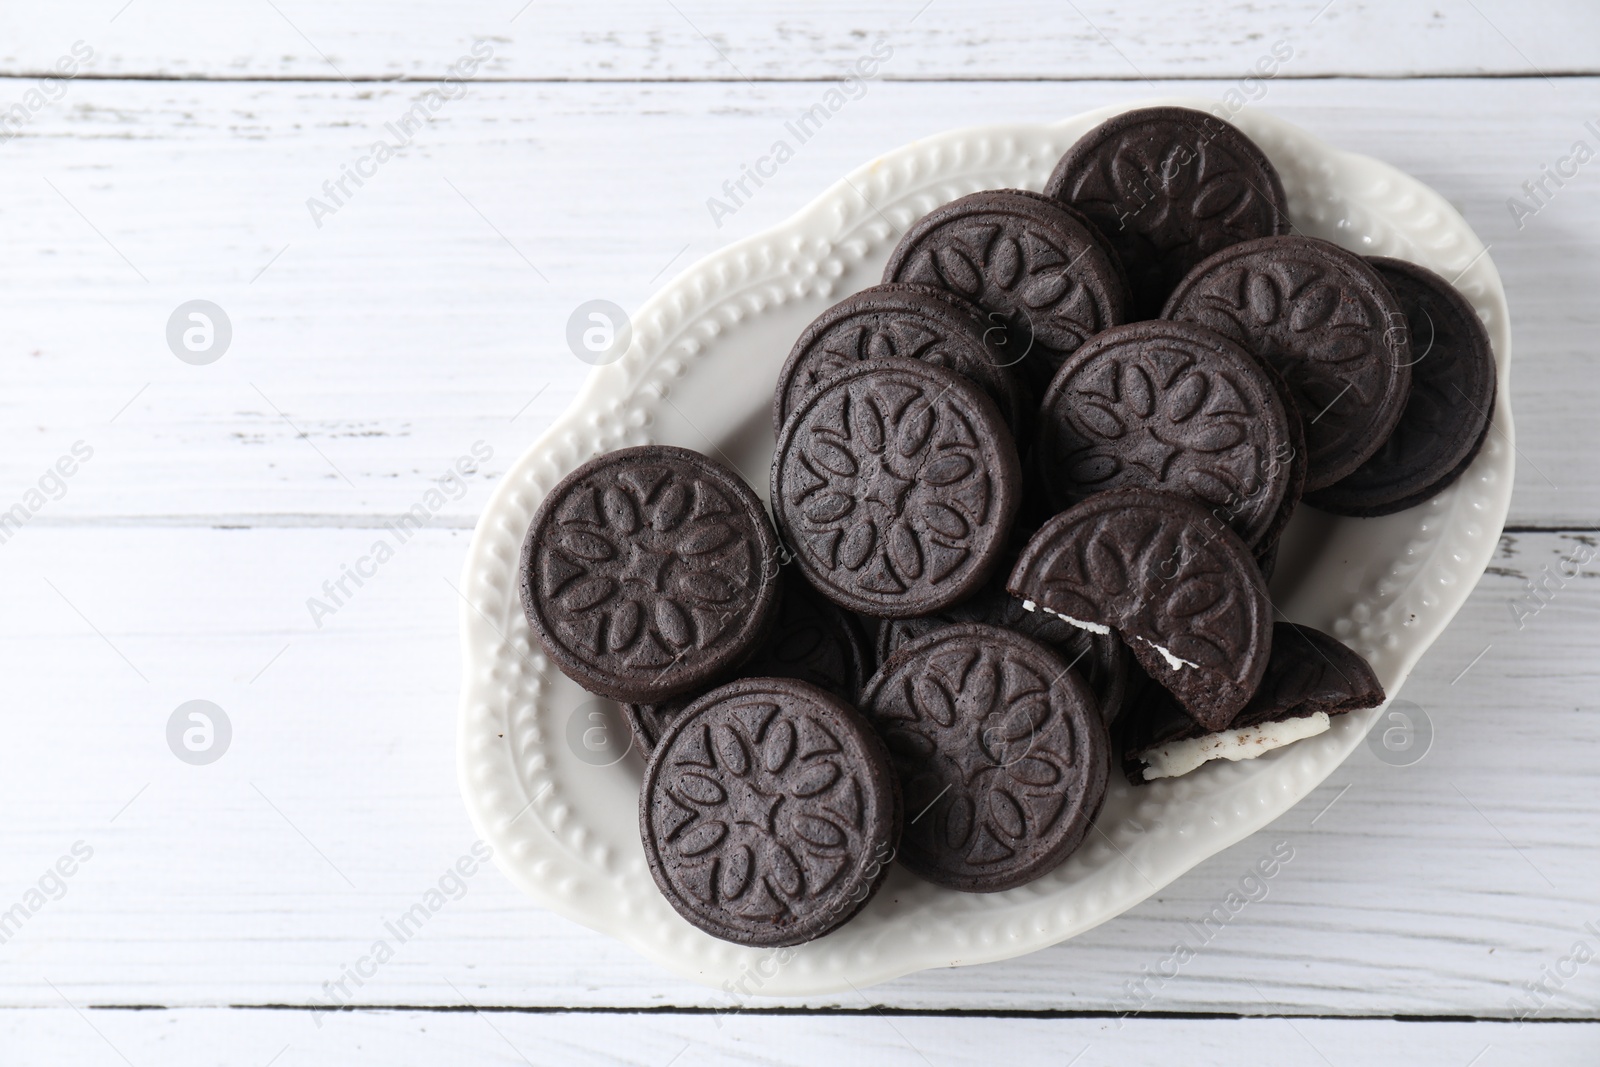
column 538, row 757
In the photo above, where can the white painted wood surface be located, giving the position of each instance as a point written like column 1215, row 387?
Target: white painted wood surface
column 253, row 1038
column 428, row 313
column 732, row 41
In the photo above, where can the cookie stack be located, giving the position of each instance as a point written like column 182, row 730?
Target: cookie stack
column 1025, row 499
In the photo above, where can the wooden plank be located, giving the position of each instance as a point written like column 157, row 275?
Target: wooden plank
column 49, row 1037
column 729, row 41
column 1435, row 889
column 429, row 311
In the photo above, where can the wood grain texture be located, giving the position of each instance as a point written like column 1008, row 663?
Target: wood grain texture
column 1435, row 889
column 726, row 40
column 429, row 311
column 427, row 315
column 45, row 1038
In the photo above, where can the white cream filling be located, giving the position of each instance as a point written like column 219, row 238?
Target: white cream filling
column 1092, row 627
column 1180, row 757
column 1176, row 662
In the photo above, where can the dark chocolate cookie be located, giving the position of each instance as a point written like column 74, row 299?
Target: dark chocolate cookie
column 1325, row 319
column 909, row 321
column 1169, row 186
column 769, row 812
column 1173, row 406
column 895, row 485
column 1179, row 587
column 813, row 640
column 1037, row 269
column 649, row 571
column 1294, row 461
column 1452, row 398
column 1000, row 752
column 1308, row 672
column 1102, row 659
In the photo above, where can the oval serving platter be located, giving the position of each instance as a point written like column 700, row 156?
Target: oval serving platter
column 561, row 813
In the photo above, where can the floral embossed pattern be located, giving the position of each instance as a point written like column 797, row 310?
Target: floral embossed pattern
column 1034, row 267
column 649, row 570
column 769, row 813
column 1168, row 187
column 1447, row 416
column 1165, row 405
column 1001, row 754
column 1181, row 589
column 895, row 485
column 905, row 321
column 1324, row 319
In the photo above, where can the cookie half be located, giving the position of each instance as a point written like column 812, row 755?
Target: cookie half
column 1310, row 678
column 1180, row 588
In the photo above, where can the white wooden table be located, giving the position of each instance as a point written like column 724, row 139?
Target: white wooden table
column 207, row 905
